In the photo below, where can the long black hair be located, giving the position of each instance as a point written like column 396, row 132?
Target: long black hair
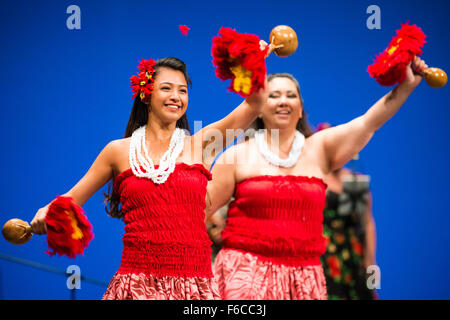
column 138, row 118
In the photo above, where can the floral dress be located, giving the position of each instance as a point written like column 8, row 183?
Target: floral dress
column 343, row 260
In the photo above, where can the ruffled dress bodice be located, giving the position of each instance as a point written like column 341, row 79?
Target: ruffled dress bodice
column 278, row 218
column 165, row 231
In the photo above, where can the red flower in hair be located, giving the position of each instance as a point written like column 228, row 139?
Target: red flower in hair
column 239, row 57
column 146, row 65
column 389, row 67
column 68, row 230
column 184, row 29
column 143, row 83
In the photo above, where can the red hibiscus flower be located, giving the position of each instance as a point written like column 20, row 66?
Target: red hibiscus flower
column 143, row 83
column 146, row 65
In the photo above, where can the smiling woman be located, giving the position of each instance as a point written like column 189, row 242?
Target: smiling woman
column 174, row 70
column 161, row 186
column 273, row 238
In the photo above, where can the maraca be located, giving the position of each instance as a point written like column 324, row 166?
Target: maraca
column 68, row 229
column 435, row 77
column 283, row 41
column 17, row 231
column 241, row 57
column 389, row 66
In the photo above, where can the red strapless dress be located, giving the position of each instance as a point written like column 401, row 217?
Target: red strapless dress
column 273, row 240
column 166, row 249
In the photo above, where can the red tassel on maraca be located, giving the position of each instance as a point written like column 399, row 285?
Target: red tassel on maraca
column 389, row 67
column 68, row 230
column 238, row 57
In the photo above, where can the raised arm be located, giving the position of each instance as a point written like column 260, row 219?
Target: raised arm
column 98, row 175
column 216, row 136
column 342, row 142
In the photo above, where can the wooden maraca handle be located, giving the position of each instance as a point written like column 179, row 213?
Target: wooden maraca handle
column 272, row 48
column 435, row 77
column 17, row 231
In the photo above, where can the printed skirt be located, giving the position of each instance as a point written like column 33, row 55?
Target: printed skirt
column 244, row 276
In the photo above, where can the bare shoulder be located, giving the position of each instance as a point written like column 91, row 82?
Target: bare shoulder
column 229, row 156
column 116, row 152
column 314, row 151
column 118, row 145
column 317, row 137
column 242, row 148
column 314, row 143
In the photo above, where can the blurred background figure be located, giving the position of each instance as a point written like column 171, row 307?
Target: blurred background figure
column 350, row 234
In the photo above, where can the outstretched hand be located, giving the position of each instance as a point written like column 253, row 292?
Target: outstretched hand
column 38, row 225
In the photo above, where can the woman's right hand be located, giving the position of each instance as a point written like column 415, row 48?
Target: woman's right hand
column 38, row 225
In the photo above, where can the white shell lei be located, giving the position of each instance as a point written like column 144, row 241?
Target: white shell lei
column 138, row 156
column 294, row 153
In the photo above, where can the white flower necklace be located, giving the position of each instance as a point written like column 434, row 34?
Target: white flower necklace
column 138, row 156
column 294, row 153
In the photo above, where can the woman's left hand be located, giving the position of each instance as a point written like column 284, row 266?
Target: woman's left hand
column 412, row 76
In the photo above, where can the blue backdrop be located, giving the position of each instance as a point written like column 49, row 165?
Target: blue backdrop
column 65, row 94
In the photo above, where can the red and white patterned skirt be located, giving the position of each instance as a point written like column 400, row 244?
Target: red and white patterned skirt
column 148, row 287
column 244, row 276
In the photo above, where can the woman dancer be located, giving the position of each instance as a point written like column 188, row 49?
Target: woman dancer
column 349, row 230
column 166, row 251
column 273, row 239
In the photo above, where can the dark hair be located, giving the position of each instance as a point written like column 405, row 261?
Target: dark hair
column 302, row 124
column 138, row 118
